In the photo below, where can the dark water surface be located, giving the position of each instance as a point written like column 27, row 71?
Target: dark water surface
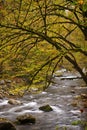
column 59, row 96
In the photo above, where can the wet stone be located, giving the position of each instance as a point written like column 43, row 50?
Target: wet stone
column 14, row 102
column 46, row 108
column 74, row 103
column 84, row 96
column 6, row 124
column 26, row 118
column 73, row 91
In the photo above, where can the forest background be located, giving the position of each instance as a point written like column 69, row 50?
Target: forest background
column 39, row 37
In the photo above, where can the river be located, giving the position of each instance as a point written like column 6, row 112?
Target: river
column 60, row 97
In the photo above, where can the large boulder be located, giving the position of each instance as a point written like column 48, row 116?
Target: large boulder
column 46, row 108
column 26, row 118
column 6, row 124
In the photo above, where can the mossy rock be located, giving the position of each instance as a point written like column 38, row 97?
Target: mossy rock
column 46, row 108
column 6, row 124
column 26, row 118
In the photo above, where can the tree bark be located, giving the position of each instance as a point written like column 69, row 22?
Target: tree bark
column 77, row 67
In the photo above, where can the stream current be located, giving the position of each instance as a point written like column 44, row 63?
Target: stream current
column 59, row 96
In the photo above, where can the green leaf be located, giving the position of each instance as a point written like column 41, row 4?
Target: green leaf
column 84, row 7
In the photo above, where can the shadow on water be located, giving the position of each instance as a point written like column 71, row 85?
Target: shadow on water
column 59, row 96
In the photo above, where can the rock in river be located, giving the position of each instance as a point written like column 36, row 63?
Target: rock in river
column 6, row 124
column 46, row 108
column 14, row 102
column 26, row 118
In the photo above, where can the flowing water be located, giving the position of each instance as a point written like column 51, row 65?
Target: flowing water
column 59, row 96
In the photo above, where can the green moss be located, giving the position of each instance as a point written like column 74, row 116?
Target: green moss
column 46, row 108
column 77, row 122
column 85, row 127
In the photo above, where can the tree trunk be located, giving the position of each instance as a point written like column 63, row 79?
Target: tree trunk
column 77, row 67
